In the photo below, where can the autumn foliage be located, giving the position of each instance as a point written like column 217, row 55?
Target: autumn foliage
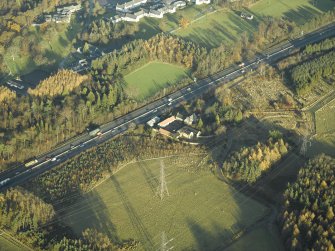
column 63, row 82
column 6, row 94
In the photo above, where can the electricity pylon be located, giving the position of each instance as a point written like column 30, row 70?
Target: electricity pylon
column 162, row 189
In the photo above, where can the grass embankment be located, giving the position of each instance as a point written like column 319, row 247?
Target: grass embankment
column 201, row 212
column 150, row 78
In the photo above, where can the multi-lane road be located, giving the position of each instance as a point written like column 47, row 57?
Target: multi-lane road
column 83, row 142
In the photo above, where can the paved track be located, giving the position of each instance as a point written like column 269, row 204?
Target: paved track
column 83, row 142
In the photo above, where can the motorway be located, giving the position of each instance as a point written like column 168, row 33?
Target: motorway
column 73, row 147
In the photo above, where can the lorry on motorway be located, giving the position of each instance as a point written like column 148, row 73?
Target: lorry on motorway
column 3, row 182
column 95, row 132
column 31, row 163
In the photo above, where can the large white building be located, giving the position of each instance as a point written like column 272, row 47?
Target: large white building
column 198, row 2
column 125, row 7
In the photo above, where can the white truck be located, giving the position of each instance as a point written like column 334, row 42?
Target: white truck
column 31, row 163
column 95, row 132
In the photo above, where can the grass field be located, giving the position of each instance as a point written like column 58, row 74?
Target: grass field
column 147, row 80
column 54, row 47
column 259, row 239
column 298, row 11
column 214, row 28
column 325, row 119
column 7, row 245
column 201, row 213
column 227, row 26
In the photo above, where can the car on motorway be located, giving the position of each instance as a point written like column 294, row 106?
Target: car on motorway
column 170, row 103
column 54, row 159
column 170, row 99
column 188, row 89
column 241, row 64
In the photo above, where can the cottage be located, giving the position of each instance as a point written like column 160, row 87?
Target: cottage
column 167, row 121
column 191, row 120
column 188, row 132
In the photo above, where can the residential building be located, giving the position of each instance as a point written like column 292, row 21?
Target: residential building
column 130, row 18
column 155, row 13
column 179, row 116
column 198, row 2
column 125, row 7
column 188, row 132
column 191, row 120
column 179, row 4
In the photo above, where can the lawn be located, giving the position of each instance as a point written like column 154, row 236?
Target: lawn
column 150, row 78
column 215, row 28
column 201, row 213
column 298, row 11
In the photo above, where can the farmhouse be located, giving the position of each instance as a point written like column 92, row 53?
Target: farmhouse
column 167, row 121
column 188, row 132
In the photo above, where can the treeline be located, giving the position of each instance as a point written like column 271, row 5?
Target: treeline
column 250, row 162
column 35, row 223
column 323, row 46
column 24, row 215
column 6, row 94
column 306, row 75
column 82, row 172
column 61, row 83
column 31, row 124
column 102, row 31
column 162, row 47
column 307, row 216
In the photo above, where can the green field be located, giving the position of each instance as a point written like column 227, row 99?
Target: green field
column 8, row 245
column 298, row 11
column 54, row 46
column 201, row 213
column 227, row 26
column 214, row 28
column 259, row 239
column 325, row 119
column 150, row 78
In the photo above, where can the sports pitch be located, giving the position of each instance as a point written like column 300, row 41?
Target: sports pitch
column 200, row 213
column 150, row 78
